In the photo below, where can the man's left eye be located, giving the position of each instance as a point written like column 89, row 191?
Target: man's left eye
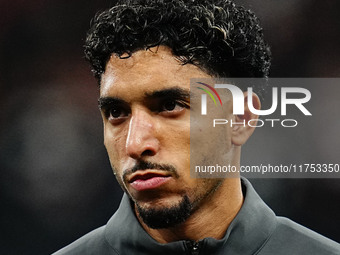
column 169, row 105
column 172, row 105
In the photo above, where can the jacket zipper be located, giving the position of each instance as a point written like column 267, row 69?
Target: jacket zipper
column 193, row 247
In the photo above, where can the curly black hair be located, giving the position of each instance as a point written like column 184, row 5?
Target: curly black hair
column 221, row 38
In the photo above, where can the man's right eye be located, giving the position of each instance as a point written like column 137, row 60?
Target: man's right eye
column 116, row 114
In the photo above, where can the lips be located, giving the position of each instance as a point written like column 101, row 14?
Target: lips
column 148, row 181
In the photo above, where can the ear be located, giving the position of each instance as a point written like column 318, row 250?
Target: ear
column 241, row 131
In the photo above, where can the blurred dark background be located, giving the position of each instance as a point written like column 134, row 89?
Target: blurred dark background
column 56, row 183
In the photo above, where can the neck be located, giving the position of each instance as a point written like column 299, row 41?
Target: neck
column 211, row 219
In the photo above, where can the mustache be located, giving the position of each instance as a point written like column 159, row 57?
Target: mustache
column 143, row 165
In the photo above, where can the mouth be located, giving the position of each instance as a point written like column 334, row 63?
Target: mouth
column 148, row 180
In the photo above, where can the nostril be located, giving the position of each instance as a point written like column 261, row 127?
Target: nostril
column 148, row 153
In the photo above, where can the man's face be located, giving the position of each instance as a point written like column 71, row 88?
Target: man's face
column 145, row 107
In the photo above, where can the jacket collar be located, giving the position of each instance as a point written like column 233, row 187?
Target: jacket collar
column 246, row 234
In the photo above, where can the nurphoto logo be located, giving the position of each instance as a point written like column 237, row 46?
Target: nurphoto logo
column 303, row 96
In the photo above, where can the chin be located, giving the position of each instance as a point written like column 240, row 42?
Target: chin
column 164, row 213
column 159, row 203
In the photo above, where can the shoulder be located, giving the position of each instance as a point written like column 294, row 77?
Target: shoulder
column 92, row 243
column 292, row 238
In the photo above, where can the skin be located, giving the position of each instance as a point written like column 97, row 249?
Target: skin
column 152, row 129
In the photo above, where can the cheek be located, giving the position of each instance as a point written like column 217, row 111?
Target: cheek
column 176, row 141
column 180, row 138
column 115, row 145
column 209, row 145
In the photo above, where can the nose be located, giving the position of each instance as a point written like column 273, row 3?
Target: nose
column 141, row 140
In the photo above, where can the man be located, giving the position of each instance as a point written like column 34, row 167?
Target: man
column 144, row 54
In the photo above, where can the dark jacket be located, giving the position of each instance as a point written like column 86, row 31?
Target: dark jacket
column 255, row 230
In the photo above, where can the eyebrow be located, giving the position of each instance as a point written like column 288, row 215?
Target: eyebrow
column 106, row 102
column 174, row 92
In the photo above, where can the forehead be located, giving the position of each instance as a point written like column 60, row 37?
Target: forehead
column 146, row 71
